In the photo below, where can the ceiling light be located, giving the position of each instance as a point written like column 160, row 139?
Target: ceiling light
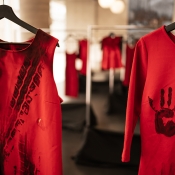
column 117, row 6
column 105, row 3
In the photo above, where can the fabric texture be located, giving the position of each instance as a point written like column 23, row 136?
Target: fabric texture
column 151, row 99
column 30, row 111
column 111, row 57
column 129, row 59
column 71, row 76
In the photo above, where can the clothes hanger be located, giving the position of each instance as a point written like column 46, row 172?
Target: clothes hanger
column 70, row 36
column 170, row 27
column 112, row 35
column 7, row 12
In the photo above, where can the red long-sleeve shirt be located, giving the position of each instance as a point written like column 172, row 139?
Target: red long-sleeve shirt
column 152, row 99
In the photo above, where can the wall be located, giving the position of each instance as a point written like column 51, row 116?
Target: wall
column 81, row 13
column 36, row 13
column 106, row 17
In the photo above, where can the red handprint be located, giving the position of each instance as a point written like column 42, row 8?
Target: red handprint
column 164, row 117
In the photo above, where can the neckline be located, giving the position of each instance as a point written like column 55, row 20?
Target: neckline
column 169, row 36
column 32, row 41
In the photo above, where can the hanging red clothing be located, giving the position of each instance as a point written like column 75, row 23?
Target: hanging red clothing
column 71, row 76
column 129, row 58
column 151, row 99
column 30, row 112
column 83, row 55
column 111, row 52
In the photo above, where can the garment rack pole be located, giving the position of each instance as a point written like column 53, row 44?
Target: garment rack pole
column 88, row 77
column 111, row 80
column 90, row 29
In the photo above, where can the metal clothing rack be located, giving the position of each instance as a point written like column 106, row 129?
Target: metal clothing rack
column 90, row 29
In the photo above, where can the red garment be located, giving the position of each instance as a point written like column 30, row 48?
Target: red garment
column 111, row 53
column 83, row 55
column 152, row 99
column 30, row 112
column 129, row 59
column 71, row 82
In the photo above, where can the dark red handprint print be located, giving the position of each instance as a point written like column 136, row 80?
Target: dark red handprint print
column 164, row 118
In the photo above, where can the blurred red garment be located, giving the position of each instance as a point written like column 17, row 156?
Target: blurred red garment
column 129, row 59
column 71, row 82
column 111, row 52
column 30, row 110
column 83, row 55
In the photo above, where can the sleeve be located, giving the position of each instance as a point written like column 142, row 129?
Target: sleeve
column 137, row 82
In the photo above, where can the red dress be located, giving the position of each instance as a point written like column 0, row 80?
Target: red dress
column 30, row 112
column 129, row 59
column 151, row 99
column 71, row 79
column 83, row 55
column 111, row 53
